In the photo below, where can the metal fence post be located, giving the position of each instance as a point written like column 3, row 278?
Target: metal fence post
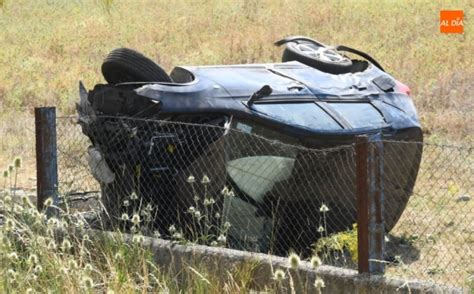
column 376, row 206
column 370, row 204
column 362, row 154
column 46, row 155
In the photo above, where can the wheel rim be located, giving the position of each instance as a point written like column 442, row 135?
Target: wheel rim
column 320, row 53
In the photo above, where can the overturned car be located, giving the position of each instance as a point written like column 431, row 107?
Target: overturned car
column 254, row 129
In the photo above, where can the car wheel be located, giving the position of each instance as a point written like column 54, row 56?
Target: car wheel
column 126, row 65
column 322, row 58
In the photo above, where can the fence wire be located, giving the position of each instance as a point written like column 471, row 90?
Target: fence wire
column 226, row 187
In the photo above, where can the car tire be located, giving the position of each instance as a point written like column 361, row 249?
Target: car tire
column 124, row 65
column 291, row 53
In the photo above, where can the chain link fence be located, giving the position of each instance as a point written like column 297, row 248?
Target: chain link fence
column 225, row 187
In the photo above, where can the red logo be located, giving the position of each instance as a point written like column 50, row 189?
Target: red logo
column 451, row 21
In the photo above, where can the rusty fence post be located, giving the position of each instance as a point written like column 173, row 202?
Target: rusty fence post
column 362, row 154
column 46, row 155
column 370, row 204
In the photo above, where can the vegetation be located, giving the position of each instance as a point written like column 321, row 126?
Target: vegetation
column 55, row 250
column 48, row 45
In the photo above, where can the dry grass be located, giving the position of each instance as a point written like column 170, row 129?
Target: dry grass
column 47, row 46
column 434, row 237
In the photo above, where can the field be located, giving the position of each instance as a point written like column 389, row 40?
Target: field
column 47, row 46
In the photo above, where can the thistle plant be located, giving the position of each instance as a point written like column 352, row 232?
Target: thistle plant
column 208, row 216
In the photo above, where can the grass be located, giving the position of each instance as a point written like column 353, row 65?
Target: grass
column 47, row 46
column 55, row 250
column 43, row 60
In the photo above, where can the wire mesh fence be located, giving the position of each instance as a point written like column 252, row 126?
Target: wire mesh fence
column 433, row 239
column 225, row 187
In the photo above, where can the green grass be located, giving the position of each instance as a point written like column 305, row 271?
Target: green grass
column 47, row 46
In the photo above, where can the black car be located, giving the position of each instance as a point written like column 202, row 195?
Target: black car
column 147, row 136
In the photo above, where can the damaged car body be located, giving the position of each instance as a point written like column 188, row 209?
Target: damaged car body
column 317, row 98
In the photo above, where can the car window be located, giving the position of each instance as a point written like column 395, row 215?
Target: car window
column 359, row 115
column 307, row 115
column 256, row 175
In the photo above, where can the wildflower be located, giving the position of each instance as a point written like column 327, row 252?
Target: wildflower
column 88, row 267
column 222, row 239
column 124, row 217
column 11, row 273
column 136, row 219
column 72, row 264
column 13, row 256
column 6, row 173
column 118, row 256
column 138, row 239
column 197, row 214
column 10, row 168
column 32, row 259
column 323, row 208
column 225, row 191
column 126, row 203
column 52, row 222
column 172, row 229
column 177, row 236
column 17, row 209
column 87, row 282
column 315, row 261
column 8, row 199
column 9, row 225
column 61, row 225
column 48, row 202
column 191, row 209
column 217, row 215
column 227, row 225
column 133, row 196
column 40, row 240
column 191, row 179
column 319, row 283
column 209, row 201
column 231, row 194
column 38, row 269
column 279, row 275
column 294, row 260
column 30, row 291
column 66, row 245
column 213, row 243
column 321, row 229
column 86, row 238
column 17, row 162
column 26, row 201
column 51, row 245
column 205, row 180
column 80, row 224
column 156, row 234
column 149, row 207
